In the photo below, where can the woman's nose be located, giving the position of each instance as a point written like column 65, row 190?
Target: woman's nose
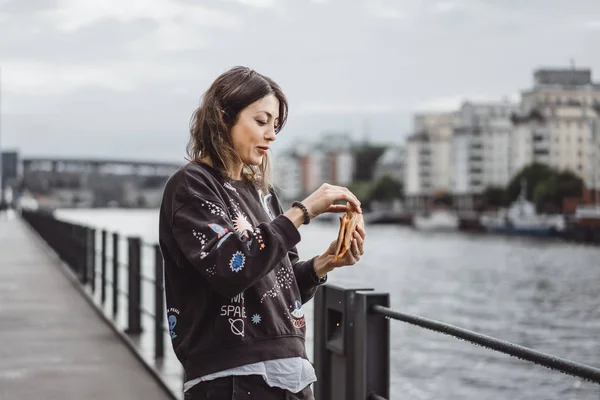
column 270, row 134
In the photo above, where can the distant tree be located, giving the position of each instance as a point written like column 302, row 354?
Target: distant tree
column 533, row 174
column 549, row 194
column 365, row 159
column 495, row 196
column 362, row 190
column 387, row 188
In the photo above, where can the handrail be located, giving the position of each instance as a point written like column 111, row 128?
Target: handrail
column 353, row 349
column 549, row 361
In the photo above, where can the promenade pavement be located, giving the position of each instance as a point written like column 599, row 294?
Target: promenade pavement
column 53, row 345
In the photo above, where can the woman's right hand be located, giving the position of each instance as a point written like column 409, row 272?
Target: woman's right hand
column 321, row 200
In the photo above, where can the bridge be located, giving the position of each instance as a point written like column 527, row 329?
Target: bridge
column 97, row 182
column 99, row 166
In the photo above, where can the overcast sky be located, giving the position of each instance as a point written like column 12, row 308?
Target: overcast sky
column 120, row 78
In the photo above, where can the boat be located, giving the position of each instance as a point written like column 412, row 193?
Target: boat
column 439, row 219
column 521, row 218
column 587, row 212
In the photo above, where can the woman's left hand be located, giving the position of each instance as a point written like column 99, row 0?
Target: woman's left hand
column 327, row 262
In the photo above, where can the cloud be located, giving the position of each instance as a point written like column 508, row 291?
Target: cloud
column 72, row 15
column 332, row 108
column 453, row 103
column 443, row 7
column 388, row 10
column 592, row 25
column 256, row 3
column 135, row 69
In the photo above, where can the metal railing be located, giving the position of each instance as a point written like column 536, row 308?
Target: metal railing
column 76, row 245
column 352, row 345
column 351, row 326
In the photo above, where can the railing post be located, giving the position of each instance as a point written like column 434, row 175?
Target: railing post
column 115, row 274
column 321, row 387
column 370, row 358
column 335, row 344
column 103, row 268
column 92, row 257
column 73, row 248
column 83, row 267
column 134, row 292
column 159, row 308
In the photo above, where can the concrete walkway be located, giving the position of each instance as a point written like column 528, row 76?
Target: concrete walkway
column 53, row 345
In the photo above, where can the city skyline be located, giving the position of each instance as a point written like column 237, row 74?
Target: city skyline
column 101, row 79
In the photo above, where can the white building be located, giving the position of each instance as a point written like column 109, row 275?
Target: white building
column 558, row 124
column 480, row 151
column 427, row 165
column 287, row 175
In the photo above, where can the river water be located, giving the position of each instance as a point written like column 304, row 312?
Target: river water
column 541, row 294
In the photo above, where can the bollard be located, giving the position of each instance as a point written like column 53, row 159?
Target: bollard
column 115, row 276
column 103, row 268
column 159, row 308
column 134, row 293
column 351, row 345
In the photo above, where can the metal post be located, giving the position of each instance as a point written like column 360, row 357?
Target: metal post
column 370, row 358
column 321, row 387
column 92, row 257
column 134, row 293
column 83, row 267
column 103, row 268
column 115, row 274
column 159, row 308
column 338, row 331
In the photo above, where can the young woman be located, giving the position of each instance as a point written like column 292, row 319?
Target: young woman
column 234, row 283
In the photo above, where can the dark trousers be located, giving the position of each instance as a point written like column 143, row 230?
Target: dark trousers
column 243, row 387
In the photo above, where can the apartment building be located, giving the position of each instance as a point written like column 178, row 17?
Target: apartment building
column 302, row 169
column 558, row 124
column 287, row 174
column 427, row 162
column 480, row 150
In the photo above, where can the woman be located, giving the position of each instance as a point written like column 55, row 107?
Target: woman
column 233, row 280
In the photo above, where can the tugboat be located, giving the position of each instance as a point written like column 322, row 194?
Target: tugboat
column 521, row 218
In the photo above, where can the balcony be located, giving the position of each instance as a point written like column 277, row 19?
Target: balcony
column 535, row 115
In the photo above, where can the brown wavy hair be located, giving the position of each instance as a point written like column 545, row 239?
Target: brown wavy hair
column 220, row 106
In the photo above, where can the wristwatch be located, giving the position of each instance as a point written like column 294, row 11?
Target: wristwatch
column 320, row 279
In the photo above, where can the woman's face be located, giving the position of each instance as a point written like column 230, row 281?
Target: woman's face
column 255, row 129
